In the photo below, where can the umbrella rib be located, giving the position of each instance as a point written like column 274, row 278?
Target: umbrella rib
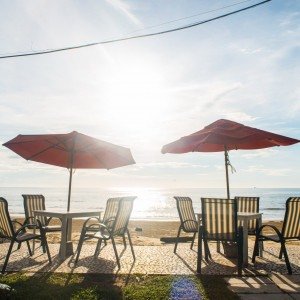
column 44, row 150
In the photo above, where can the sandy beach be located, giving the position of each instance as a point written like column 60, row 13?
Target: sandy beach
column 143, row 232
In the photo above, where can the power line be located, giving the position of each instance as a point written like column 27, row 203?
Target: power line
column 132, row 37
column 192, row 16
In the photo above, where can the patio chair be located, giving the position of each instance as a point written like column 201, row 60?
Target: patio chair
column 115, row 223
column 37, row 202
column 20, row 235
column 188, row 221
column 290, row 231
column 219, row 223
column 248, row 205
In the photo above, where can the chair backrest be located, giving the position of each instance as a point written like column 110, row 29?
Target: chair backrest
column 219, row 219
column 111, row 210
column 123, row 214
column 6, row 226
column 291, row 223
column 186, row 214
column 31, row 203
column 249, row 205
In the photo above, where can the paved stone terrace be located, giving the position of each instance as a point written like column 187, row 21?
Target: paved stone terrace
column 161, row 260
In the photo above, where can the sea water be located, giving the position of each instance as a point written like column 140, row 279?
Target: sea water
column 150, row 204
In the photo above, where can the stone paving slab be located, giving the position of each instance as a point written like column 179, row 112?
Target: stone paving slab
column 287, row 283
column 149, row 260
column 265, row 297
column 255, row 288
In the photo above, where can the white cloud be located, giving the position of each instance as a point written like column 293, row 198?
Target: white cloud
column 276, row 172
column 126, row 10
column 261, row 153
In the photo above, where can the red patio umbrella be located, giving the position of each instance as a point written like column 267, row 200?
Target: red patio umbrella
column 225, row 135
column 73, row 150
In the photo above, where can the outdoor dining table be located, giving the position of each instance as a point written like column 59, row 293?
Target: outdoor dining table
column 245, row 217
column 66, row 245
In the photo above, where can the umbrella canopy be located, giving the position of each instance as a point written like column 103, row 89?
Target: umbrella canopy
column 72, row 150
column 225, row 135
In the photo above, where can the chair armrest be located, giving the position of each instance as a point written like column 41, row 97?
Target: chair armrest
column 27, row 220
column 15, row 221
column 49, row 220
column 87, row 220
column 271, row 226
column 23, row 228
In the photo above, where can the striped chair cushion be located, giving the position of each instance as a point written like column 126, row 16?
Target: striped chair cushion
column 219, row 218
column 34, row 202
column 291, row 223
column 186, row 214
column 124, row 211
column 250, row 205
column 6, row 227
column 111, row 210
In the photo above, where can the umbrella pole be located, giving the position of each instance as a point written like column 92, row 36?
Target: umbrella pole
column 226, row 168
column 71, row 175
column 70, row 185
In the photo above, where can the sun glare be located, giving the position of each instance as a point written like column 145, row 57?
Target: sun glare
column 135, row 93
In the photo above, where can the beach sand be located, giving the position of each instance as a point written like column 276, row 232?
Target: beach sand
column 143, row 232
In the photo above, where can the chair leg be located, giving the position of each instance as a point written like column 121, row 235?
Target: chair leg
column 194, row 236
column 130, row 243
column 7, row 256
column 28, row 246
column 199, row 255
column 280, row 253
column 98, row 247
column 218, row 246
column 45, row 243
column 255, row 250
column 116, row 252
column 124, row 241
column 206, row 250
column 287, row 262
column 240, row 251
column 177, row 239
column 81, row 239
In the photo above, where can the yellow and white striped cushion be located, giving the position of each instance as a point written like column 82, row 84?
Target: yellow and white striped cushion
column 34, row 202
column 291, row 225
column 249, row 205
column 186, row 214
column 219, row 218
column 6, row 229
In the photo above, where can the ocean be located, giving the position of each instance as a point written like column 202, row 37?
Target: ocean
column 151, row 204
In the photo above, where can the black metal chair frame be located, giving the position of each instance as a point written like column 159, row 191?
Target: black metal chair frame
column 31, row 220
column 281, row 239
column 105, row 232
column 20, row 237
column 182, row 223
column 202, row 236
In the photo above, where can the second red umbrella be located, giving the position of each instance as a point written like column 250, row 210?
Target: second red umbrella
column 225, row 135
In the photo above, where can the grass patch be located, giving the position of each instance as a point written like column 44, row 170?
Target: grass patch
column 115, row 287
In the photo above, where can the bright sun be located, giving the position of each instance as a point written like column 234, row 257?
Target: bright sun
column 136, row 97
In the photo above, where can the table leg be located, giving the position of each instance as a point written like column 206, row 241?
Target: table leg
column 69, row 245
column 69, row 234
column 63, row 244
column 34, row 230
column 260, row 248
column 245, row 242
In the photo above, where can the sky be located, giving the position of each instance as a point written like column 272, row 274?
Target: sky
column 145, row 93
